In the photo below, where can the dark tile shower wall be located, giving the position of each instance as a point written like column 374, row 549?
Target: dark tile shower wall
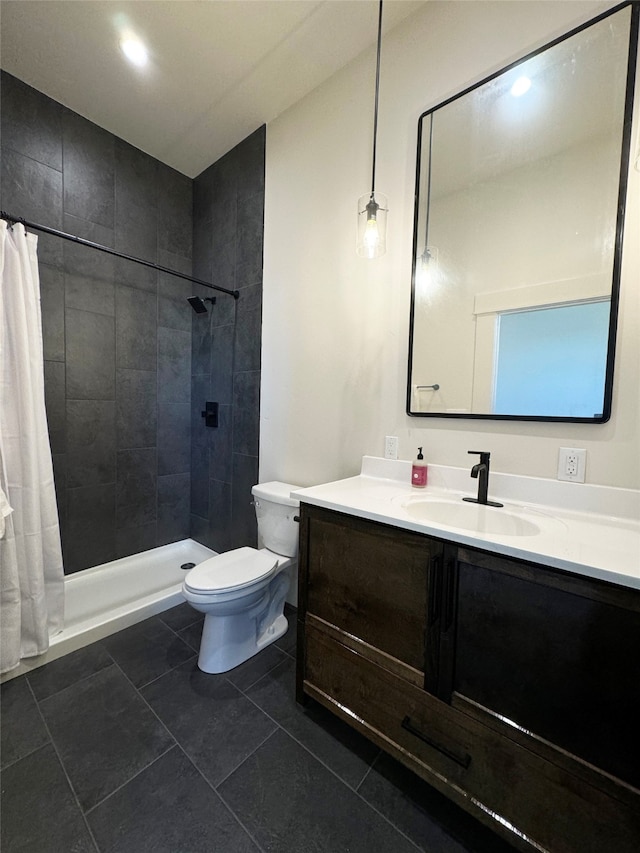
column 117, row 336
column 227, row 250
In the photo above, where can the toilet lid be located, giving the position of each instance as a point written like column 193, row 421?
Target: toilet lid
column 229, row 571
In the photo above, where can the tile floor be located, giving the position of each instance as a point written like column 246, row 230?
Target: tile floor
column 126, row 746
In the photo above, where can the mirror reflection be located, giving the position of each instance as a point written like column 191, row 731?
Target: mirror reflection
column 517, row 236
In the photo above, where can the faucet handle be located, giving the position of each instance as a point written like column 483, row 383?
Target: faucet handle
column 484, row 455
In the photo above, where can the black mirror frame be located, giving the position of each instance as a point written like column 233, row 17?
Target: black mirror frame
column 617, row 256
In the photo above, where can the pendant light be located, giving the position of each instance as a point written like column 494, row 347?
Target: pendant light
column 372, row 207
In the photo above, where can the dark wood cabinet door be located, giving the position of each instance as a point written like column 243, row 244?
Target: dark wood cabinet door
column 555, row 653
column 369, row 581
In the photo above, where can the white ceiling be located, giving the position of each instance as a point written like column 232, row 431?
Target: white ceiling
column 218, row 68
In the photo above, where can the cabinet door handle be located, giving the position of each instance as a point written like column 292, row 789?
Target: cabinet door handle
column 463, row 759
column 449, row 596
column 436, row 593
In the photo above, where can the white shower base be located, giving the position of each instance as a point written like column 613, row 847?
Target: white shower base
column 107, row 598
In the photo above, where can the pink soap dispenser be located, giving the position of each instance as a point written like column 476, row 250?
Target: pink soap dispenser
column 419, row 471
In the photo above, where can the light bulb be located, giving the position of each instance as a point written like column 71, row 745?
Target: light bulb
column 372, row 225
column 372, row 237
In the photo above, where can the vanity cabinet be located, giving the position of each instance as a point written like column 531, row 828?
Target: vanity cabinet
column 510, row 687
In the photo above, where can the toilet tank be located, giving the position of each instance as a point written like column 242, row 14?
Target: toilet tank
column 275, row 511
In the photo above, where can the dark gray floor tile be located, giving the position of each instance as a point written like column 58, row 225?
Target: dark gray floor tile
column 168, row 808
column 147, row 650
column 289, row 802
column 192, row 635
column 214, row 723
column 22, row 729
column 432, row 821
column 62, row 673
column 255, row 668
column 336, row 744
column 181, row 616
column 104, row 733
column 39, row 811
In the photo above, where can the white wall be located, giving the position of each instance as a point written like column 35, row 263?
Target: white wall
column 335, row 327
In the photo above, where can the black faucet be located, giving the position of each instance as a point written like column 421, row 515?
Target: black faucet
column 480, row 471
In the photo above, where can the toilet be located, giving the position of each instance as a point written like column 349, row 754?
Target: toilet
column 242, row 592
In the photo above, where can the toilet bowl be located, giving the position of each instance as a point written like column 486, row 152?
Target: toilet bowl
column 242, row 592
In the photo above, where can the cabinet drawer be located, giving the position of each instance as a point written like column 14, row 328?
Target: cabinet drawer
column 501, row 782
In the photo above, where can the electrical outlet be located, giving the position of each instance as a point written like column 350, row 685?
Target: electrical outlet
column 572, row 462
column 391, row 447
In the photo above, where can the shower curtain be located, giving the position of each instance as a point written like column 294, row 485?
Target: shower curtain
column 31, row 573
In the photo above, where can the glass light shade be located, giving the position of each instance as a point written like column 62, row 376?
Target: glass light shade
column 372, row 225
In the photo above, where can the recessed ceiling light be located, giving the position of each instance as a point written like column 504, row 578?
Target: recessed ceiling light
column 134, row 50
column 520, row 87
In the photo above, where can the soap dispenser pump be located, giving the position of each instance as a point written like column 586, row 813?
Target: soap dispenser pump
column 419, row 471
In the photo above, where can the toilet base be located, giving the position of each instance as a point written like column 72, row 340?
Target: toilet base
column 227, row 642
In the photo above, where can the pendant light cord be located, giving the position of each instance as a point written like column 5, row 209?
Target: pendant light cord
column 375, row 109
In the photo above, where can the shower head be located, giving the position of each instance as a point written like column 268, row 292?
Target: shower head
column 198, row 304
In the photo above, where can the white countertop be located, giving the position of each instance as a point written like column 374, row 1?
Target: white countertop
column 568, row 537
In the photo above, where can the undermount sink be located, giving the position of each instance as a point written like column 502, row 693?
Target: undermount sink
column 471, row 516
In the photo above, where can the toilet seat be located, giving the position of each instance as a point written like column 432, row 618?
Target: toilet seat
column 233, row 570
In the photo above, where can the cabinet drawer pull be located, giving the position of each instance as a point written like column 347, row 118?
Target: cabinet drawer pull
column 463, row 759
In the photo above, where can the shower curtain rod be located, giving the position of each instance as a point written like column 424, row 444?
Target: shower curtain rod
column 100, row 248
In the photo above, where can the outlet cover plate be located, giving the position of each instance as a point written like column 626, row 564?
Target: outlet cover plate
column 572, row 463
column 391, row 447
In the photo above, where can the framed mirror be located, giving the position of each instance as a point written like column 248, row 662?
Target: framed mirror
column 520, row 196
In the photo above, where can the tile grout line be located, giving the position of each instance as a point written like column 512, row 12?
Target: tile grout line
column 131, row 778
column 368, row 771
column 214, row 788
column 75, row 683
column 64, row 770
column 26, row 755
column 187, row 756
column 326, row 766
column 162, row 674
column 247, row 757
